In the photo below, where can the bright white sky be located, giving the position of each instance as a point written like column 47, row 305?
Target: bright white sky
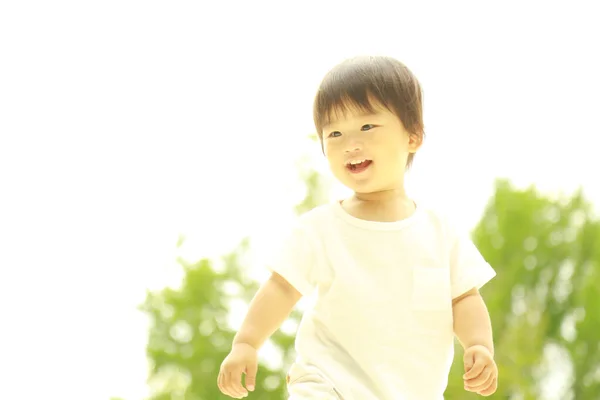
column 126, row 123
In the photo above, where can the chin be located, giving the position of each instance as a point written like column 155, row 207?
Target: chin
column 367, row 187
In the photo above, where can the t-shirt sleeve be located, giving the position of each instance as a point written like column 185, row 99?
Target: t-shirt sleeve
column 468, row 268
column 294, row 260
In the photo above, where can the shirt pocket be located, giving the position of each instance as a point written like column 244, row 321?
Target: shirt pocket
column 431, row 302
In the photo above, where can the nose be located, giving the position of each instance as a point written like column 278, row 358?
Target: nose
column 353, row 145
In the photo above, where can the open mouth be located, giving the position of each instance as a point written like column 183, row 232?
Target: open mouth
column 358, row 166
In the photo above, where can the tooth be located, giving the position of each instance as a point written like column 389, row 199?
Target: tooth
column 355, row 162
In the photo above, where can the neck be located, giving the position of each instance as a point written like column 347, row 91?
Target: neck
column 384, row 206
column 384, row 196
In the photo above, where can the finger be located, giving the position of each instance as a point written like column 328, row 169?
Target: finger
column 483, row 381
column 475, row 370
column 251, row 376
column 226, row 383
column 491, row 389
column 220, row 382
column 481, row 378
column 235, row 384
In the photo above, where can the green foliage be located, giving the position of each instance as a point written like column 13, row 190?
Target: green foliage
column 545, row 296
column 190, row 335
column 315, row 198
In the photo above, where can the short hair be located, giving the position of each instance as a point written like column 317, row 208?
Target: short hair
column 357, row 81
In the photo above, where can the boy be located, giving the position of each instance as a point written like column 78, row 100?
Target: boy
column 394, row 281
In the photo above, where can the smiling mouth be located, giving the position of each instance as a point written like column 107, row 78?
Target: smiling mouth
column 356, row 167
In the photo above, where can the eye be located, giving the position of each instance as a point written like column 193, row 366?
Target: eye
column 367, row 127
column 335, row 134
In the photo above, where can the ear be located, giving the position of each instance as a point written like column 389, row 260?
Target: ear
column 415, row 141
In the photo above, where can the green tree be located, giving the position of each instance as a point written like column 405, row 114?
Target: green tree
column 544, row 305
column 544, row 301
column 189, row 334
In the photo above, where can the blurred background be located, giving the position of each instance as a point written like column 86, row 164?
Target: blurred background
column 151, row 153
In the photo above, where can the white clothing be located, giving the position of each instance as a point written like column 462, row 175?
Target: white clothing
column 381, row 327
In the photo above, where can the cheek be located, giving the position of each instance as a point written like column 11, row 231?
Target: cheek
column 334, row 162
column 329, row 151
column 396, row 147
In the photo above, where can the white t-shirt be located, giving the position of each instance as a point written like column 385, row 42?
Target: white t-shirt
column 381, row 325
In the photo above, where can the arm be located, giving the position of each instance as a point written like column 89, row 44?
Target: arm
column 472, row 324
column 269, row 308
column 473, row 329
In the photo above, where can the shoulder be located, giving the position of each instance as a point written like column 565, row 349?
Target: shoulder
column 434, row 214
column 305, row 229
column 316, row 218
column 442, row 219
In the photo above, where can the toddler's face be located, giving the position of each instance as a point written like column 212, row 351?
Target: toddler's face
column 367, row 152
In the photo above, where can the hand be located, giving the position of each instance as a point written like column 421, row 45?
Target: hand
column 242, row 359
column 481, row 372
